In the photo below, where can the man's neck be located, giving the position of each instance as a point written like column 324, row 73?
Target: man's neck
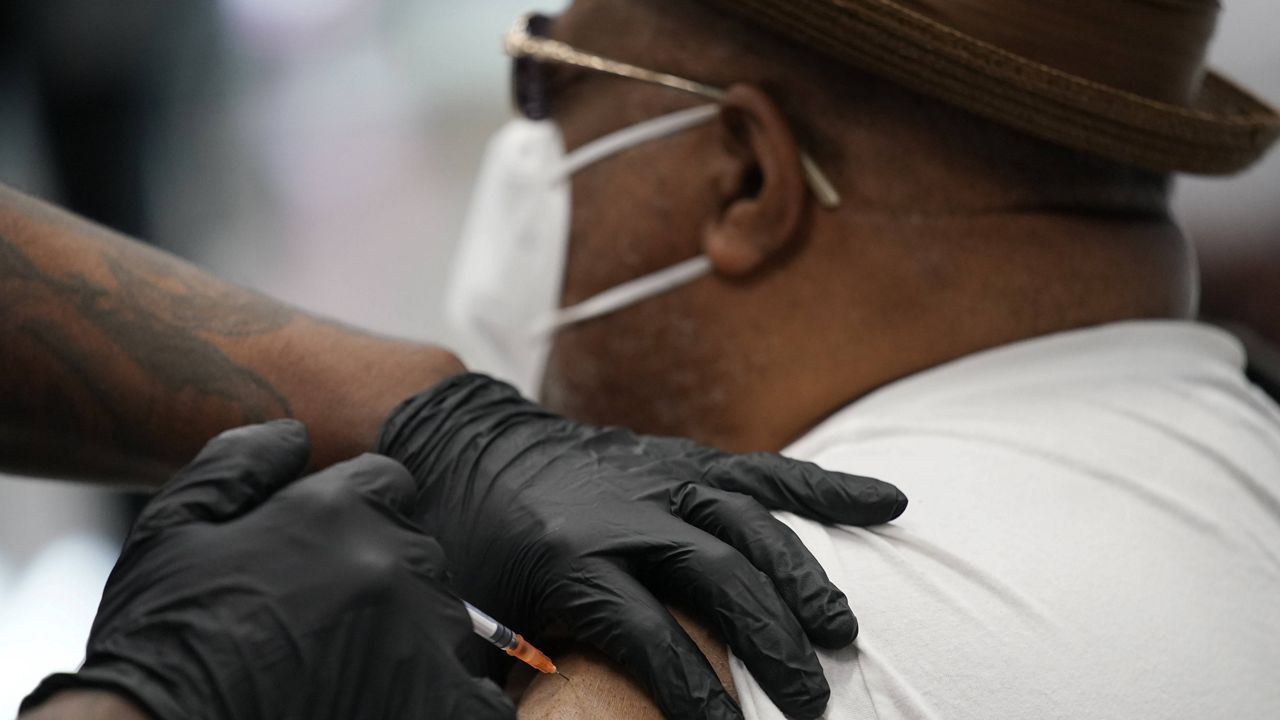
column 992, row 281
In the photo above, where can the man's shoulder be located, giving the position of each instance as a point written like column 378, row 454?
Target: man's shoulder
column 1125, row 395
column 1067, row 524
column 1211, row 442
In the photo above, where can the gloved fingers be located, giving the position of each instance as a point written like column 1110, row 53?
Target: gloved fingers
column 821, row 608
column 609, row 610
column 717, row 583
column 431, row 626
column 803, row 488
column 462, row 406
column 426, row 559
column 481, row 659
column 443, row 627
column 382, row 480
column 377, row 495
column 235, row 472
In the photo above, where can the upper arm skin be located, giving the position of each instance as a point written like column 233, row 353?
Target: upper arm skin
column 600, row 689
column 86, row 705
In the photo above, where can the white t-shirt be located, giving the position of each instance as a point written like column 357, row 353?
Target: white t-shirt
column 1093, row 532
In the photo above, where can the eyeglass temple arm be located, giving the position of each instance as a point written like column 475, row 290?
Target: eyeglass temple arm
column 518, row 43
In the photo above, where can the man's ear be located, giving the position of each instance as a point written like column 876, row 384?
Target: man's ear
column 763, row 195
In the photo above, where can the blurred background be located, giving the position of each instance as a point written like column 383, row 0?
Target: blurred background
column 322, row 151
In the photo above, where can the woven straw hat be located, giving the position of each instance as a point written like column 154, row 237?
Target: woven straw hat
column 1124, row 79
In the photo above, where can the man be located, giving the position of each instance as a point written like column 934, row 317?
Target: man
column 859, row 232
column 1002, row 242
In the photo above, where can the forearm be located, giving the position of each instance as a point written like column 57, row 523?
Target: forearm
column 86, row 705
column 119, row 360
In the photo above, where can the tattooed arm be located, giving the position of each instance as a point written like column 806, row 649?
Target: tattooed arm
column 117, row 360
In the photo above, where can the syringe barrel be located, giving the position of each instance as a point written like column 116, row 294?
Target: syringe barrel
column 515, row 646
column 531, row 655
column 490, row 629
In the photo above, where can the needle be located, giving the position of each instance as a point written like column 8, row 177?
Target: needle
column 514, row 645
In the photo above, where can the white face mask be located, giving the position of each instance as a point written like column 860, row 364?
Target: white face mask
column 504, row 290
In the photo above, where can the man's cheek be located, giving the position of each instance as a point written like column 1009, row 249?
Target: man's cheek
column 588, row 256
column 620, row 228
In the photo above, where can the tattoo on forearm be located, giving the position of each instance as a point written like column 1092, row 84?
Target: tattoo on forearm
column 163, row 316
column 189, row 301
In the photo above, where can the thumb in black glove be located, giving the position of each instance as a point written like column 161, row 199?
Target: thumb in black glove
column 242, row 594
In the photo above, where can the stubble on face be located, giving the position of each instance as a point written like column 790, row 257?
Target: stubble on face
column 647, row 367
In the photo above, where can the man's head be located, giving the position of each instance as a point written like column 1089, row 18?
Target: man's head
column 954, row 233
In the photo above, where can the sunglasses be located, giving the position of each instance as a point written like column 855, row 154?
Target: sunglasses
column 532, row 52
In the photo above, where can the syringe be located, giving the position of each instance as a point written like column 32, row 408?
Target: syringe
column 514, row 645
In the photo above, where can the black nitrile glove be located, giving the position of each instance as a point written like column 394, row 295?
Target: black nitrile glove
column 549, row 521
column 245, row 593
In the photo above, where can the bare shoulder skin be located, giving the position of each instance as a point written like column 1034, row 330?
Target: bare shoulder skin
column 600, row 689
column 87, row 705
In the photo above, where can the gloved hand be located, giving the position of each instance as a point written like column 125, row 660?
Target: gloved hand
column 550, row 521
column 243, row 594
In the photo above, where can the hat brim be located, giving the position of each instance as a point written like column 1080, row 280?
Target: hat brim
column 1223, row 131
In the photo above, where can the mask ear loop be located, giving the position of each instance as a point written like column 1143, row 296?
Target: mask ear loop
column 628, row 293
column 638, row 134
column 645, row 287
